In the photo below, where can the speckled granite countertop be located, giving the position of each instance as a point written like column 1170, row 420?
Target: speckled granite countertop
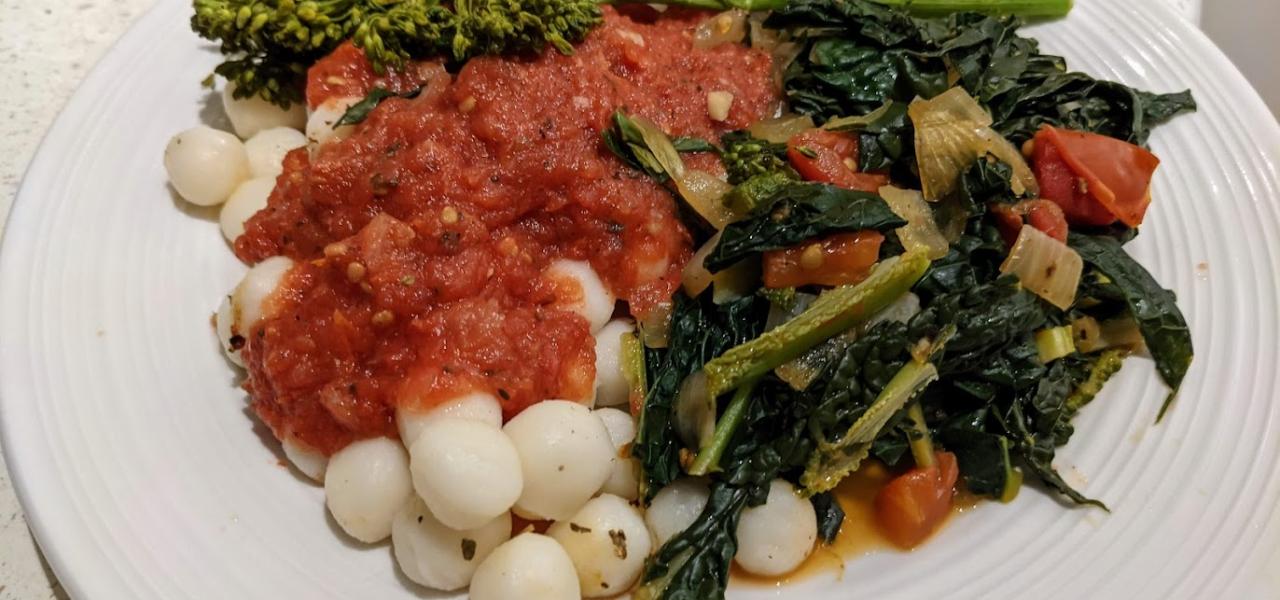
column 46, row 48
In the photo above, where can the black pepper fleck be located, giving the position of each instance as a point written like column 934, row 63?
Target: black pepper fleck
column 619, row 539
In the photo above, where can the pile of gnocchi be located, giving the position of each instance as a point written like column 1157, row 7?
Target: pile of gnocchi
column 447, row 491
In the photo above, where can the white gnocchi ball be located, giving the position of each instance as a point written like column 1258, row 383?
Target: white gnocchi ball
column 529, row 567
column 477, row 406
column 466, row 471
column 775, row 537
column 245, row 202
column 580, row 290
column 205, row 165
column 365, row 484
column 608, row 542
column 307, row 460
column 248, row 301
column 253, row 114
column 622, row 431
column 267, row 148
column 612, row 388
column 320, row 125
column 675, row 507
column 565, row 455
column 433, row 555
column 223, row 321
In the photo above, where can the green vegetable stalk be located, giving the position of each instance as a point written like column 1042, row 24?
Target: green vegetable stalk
column 833, row 312
column 921, row 441
column 833, row 461
column 1022, row 8
column 708, row 458
column 1054, row 343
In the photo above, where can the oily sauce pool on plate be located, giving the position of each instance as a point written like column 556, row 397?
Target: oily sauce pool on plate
column 859, row 534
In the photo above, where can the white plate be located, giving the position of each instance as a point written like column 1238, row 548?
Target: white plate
column 144, row 476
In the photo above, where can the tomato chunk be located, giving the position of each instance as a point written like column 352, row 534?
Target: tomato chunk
column 913, row 505
column 1096, row 179
column 838, row 259
column 831, row 157
column 1044, row 215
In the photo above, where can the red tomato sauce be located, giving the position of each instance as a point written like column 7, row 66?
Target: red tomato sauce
column 420, row 238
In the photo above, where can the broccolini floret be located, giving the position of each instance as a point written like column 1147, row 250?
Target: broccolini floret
column 269, row 44
column 745, row 157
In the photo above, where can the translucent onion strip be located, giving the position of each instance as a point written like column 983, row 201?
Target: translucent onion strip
column 1046, row 267
column 953, row 131
column 705, row 194
column 780, row 129
column 728, row 27
column 921, row 231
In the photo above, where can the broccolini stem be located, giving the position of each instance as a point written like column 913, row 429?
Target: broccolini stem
column 708, row 458
column 921, row 441
column 833, row 312
column 1022, row 8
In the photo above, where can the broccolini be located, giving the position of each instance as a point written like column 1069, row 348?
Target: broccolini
column 270, row 44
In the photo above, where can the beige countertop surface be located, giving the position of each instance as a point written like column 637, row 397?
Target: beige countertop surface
column 46, row 48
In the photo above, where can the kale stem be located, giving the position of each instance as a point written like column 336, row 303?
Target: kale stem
column 708, row 458
column 921, row 441
column 1022, row 8
column 833, row 312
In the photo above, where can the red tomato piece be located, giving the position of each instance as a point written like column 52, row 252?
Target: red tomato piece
column 1060, row 184
column 1044, row 215
column 831, row 157
column 1096, row 179
column 839, row 259
column 913, row 505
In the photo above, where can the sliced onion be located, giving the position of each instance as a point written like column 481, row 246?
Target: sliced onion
column 779, row 314
column 1092, row 336
column 736, row 281
column 1046, row 267
column 921, row 231
column 660, row 145
column 655, row 326
column 780, row 129
column 729, row 284
column 783, row 55
column 761, row 37
column 728, row 27
column 953, row 131
column 696, row 277
column 705, row 194
column 695, row 417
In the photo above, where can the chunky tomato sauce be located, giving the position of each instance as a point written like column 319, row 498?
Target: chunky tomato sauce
column 421, row 238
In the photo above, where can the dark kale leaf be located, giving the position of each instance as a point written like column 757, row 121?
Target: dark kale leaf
column 361, row 110
column 796, row 212
column 700, row 331
column 830, row 516
column 692, row 144
column 1163, row 327
column 884, row 137
column 771, row 441
column 983, row 456
column 694, row 565
column 857, row 55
